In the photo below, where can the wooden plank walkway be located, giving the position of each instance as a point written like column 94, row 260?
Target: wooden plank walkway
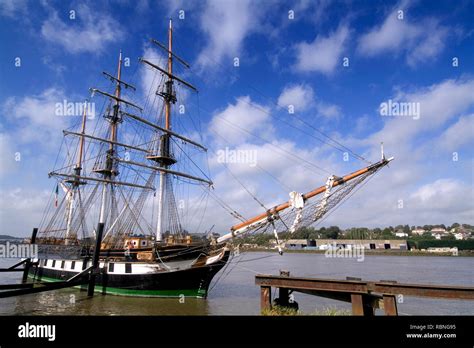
column 365, row 296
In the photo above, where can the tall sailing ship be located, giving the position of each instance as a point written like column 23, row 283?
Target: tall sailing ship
column 109, row 177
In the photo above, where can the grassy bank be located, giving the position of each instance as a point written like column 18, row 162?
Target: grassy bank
column 284, row 311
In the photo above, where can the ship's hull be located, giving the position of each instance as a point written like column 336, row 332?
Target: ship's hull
column 140, row 278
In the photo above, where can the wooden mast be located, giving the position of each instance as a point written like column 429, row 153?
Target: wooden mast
column 165, row 158
column 170, row 72
column 118, row 89
column 70, row 192
column 109, row 171
column 262, row 218
column 81, row 141
column 161, row 154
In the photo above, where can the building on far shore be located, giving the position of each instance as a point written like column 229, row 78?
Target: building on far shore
column 439, row 233
column 453, row 250
column 401, row 234
column 324, row 244
column 418, row 231
column 461, row 236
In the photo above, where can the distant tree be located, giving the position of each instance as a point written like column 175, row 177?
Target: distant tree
column 386, row 233
column 428, row 235
column 304, row 233
column 407, row 229
column 358, row 233
column 332, row 232
column 370, row 234
column 449, row 237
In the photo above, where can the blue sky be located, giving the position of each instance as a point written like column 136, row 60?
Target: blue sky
column 400, row 51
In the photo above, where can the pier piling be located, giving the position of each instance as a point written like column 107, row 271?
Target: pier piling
column 95, row 260
column 28, row 261
column 265, row 298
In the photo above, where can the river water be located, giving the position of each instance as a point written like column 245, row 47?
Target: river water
column 234, row 291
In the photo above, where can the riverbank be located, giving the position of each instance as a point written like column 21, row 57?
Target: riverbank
column 468, row 253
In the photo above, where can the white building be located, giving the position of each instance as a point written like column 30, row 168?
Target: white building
column 461, row 236
column 401, row 234
column 418, row 231
column 453, row 250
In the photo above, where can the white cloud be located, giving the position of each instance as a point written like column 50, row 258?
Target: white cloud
column 21, row 210
column 58, row 68
column 421, row 41
column 283, row 160
column 328, row 110
column 390, row 36
column 378, row 203
column 314, row 10
column 7, row 158
column 150, row 78
column 243, row 115
column 89, row 32
column 430, row 44
column 300, row 96
column 34, row 117
column 459, row 134
column 439, row 103
column 303, row 98
column 226, row 25
column 445, row 196
column 324, row 53
column 413, row 176
column 12, row 8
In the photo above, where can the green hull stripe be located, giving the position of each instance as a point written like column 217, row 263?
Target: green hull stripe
column 141, row 293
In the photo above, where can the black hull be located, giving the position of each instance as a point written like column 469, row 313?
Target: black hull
column 190, row 282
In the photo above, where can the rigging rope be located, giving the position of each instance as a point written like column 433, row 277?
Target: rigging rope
column 235, row 75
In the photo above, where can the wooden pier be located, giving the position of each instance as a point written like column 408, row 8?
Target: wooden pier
column 365, row 296
column 87, row 276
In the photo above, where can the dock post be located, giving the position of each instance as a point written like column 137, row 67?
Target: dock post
column 283, row 293
column 390, row 305
column 28, row 261
column 265, row 298
column 95, row 260
column 361, row 305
